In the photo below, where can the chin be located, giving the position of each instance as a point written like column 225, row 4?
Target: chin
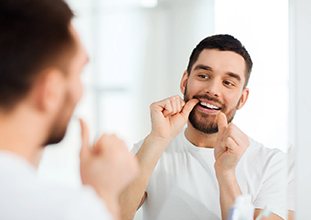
column 55, row 138
column 205, row 125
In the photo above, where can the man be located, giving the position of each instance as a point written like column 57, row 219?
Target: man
column 197, row 173
column 41, row 58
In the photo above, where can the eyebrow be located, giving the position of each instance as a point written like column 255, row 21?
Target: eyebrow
column 204, row 67
column 234, row 75
column 201, row 66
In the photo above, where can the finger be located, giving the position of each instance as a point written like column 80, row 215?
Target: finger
column 222, row 122
column 182, row 103
column 160, row 106
column 101, row 143
column 188, row 107
column 178, row 104
column 237, row 135
column 85, row 150
column 109, row 142
column 231, row 144
column 173, row 101
column 167, row 108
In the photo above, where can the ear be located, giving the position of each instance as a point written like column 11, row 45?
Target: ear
column 243, row 98
column 183, row 82
column 49, row 90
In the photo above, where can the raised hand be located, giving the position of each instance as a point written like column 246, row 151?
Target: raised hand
column 230, row 146
column 108, row 166
column 168, row 116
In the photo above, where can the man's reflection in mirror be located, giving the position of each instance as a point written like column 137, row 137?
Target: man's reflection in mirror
column 197, row 172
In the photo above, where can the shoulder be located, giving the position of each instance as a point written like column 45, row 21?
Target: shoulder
column 85, row 204
column 257, row 151
column 263, row 160
column 75, row 203
column 49, row 201
column 267, row 169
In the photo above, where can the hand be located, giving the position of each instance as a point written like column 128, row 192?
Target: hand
column 231, row 145
column 168, row 116
column 108, row 166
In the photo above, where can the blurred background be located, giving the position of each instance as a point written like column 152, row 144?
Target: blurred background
column 138, row 52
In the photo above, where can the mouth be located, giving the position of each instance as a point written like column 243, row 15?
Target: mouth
column 209, row 106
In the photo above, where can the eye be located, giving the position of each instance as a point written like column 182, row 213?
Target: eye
column 229, row 83
column 203, row 76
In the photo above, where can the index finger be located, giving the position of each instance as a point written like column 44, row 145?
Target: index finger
column 187, row 108
column 84, row 138
column 222, row 122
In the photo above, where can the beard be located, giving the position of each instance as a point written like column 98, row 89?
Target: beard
column 57, row 134
column 204, row 122
column 57, row 131
column 59, row 127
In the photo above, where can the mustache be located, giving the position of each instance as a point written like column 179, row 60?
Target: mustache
column 207, row 97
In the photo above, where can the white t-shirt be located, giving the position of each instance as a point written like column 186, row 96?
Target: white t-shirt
column 183, row 185
column 24, row 197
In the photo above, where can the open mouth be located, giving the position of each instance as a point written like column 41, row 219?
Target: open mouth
column 209, row 106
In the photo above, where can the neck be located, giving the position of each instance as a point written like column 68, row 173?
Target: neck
column 199, row 138
column 20, row 134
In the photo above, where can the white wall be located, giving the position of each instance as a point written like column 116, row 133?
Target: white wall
column 301, row 35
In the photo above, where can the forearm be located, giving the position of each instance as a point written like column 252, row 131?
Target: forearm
column 229, row 190
column 148, row 156
column 112, row 205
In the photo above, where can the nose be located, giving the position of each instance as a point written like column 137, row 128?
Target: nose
column 213, row 88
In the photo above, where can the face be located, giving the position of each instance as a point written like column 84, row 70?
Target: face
column 72, row 94
column 217, row 79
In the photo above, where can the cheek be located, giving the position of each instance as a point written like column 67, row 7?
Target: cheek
column 232, row 100
column 75, row 90
column 79, row 91
column 193, row 87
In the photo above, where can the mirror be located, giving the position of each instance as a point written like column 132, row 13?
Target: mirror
column 139, row 50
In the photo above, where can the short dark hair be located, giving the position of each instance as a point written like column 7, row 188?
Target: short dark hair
column 222, row 42
column 34, row 34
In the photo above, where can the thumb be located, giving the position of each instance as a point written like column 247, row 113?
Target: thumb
column 222, row 122
column 85, row 150
column 188, row 107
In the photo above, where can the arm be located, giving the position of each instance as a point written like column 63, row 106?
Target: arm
column 291, row 215
column 229, row 191
column 134, row 195
column 231, row 145
column 168, row 117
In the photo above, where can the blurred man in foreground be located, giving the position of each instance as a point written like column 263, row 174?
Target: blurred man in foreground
column 41, row 60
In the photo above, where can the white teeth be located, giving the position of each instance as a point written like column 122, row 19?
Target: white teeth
column 209, row 105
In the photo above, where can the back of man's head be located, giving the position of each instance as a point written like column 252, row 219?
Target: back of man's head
column 34, row 35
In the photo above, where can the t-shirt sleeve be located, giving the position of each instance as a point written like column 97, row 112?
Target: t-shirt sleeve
column 272, row 193
column 87, row 205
